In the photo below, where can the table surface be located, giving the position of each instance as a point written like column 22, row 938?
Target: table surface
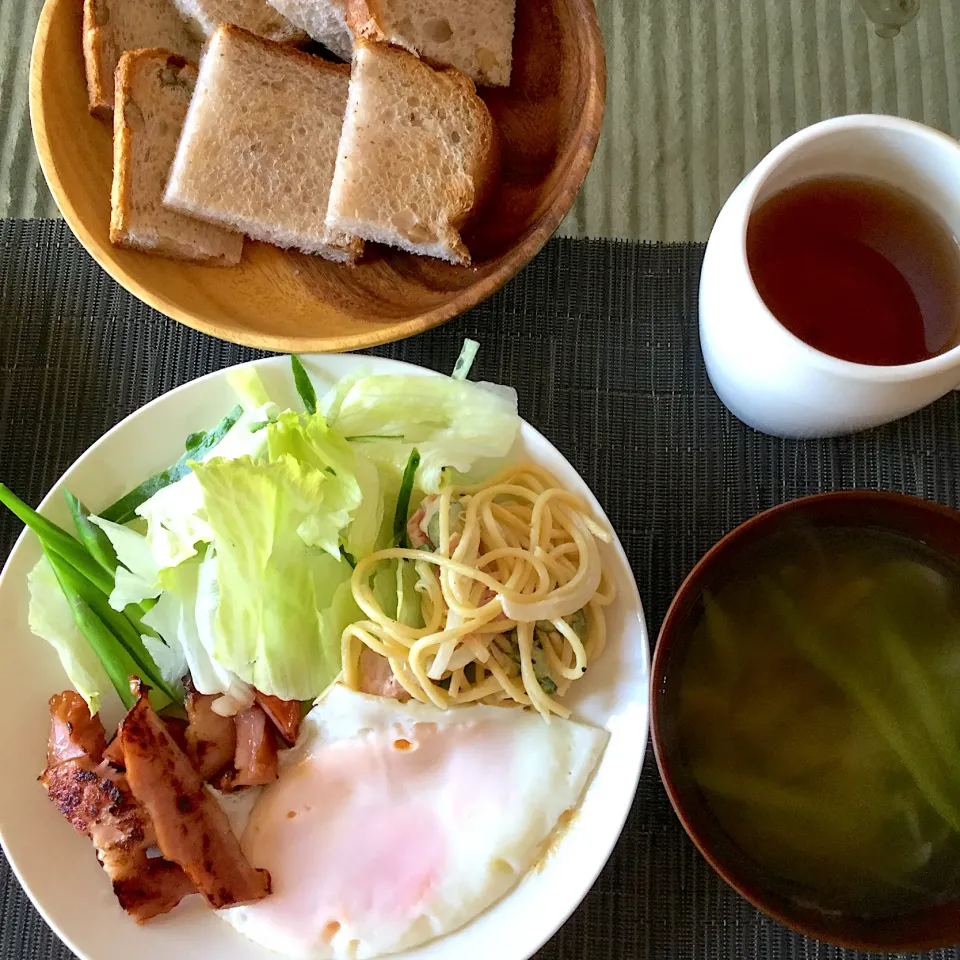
column 699, row 90
column 600, row 339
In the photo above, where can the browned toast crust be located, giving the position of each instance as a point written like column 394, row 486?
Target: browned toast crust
column 287, row 48
column 123, row 141
column 364, row 18
column 95, row 42
column 126, row 118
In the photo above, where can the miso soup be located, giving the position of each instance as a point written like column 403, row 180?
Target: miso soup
column 820, row 716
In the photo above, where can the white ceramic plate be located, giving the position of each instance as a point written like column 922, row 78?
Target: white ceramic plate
column 57, row 866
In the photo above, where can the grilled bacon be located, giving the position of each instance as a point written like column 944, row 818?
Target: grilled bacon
column 256, row 757
column 155, row 888
column 210, row 740
column 376, row 677
column 73, row 732
column 114, row 753
column 97, row 801
column 284, row 714
column 191, row 828
column 176, row 726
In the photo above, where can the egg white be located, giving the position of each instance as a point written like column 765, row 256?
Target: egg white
column 392, row 824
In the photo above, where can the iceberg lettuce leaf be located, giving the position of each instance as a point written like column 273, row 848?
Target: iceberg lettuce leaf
column 352, row 503
column 50, row 617
column 175, row 519
column 248, row 386
column 137, row 576
column 314, row 446
column 453, row 423
column 281, row 608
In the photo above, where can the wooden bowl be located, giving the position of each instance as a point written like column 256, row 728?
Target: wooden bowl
column 933, row 524
column 549, row 123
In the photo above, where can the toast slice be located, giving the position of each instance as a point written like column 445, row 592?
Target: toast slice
column 260, row 142
column 416, row 157
column 153, row 89
column 324, row 20
column 257, row 16
column 111, row 27
column 475, row 36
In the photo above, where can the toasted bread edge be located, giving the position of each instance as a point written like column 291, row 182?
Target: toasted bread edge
column 286, row 48
column 364, row 19
column 99, row 93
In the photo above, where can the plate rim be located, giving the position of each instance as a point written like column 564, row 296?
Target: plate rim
column 624, row 805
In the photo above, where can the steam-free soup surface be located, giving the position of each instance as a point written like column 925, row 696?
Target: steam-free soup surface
column 820, row 717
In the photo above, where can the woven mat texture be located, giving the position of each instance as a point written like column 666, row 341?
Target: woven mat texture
column 698, row 91
column 600, row 340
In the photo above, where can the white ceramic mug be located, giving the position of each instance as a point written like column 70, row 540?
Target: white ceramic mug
column 768, row 377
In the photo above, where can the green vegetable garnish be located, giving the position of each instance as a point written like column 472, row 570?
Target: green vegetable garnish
column 371, row 437
column 577, row 621
column 403, row 500
column 87, row 584
column 51, row 618
column 114, row 657
column 456, row 521
column 93, row 538
column 468, row 353
column 304, row 387
column 197, row 447
column 118, row 624
column 284, row 599
column 541, row 670
column 57, row 540
column 100, row 625
column 547, row 684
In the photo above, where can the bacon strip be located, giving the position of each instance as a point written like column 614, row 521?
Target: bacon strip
column 210, row 740
column 73, row 732
column 256, row 758
column 176, row 726
column 418, row 539
column 376, row 677
column 154, row 889
column 192, row 830
column 285, row 715
column 96, row 800
column 114, row 753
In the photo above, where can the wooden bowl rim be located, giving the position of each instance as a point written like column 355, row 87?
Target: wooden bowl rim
column 588, row 127
column 670, row 636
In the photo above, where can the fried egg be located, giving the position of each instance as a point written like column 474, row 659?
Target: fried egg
column 392, row 823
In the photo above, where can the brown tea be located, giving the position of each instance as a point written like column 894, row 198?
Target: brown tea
column 857, row 269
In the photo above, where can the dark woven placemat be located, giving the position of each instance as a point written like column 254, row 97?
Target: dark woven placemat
column 600, row 339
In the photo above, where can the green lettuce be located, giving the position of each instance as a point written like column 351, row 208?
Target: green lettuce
column 248, row 387
column 175, row 518
column 364, row 532
column 283, row 602
column 453, row 423
column 312, row 444
column 136, row 575
column 50, row 617
column 394, row 585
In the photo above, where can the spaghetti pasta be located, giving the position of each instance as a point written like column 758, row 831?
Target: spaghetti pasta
column 511, row 594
